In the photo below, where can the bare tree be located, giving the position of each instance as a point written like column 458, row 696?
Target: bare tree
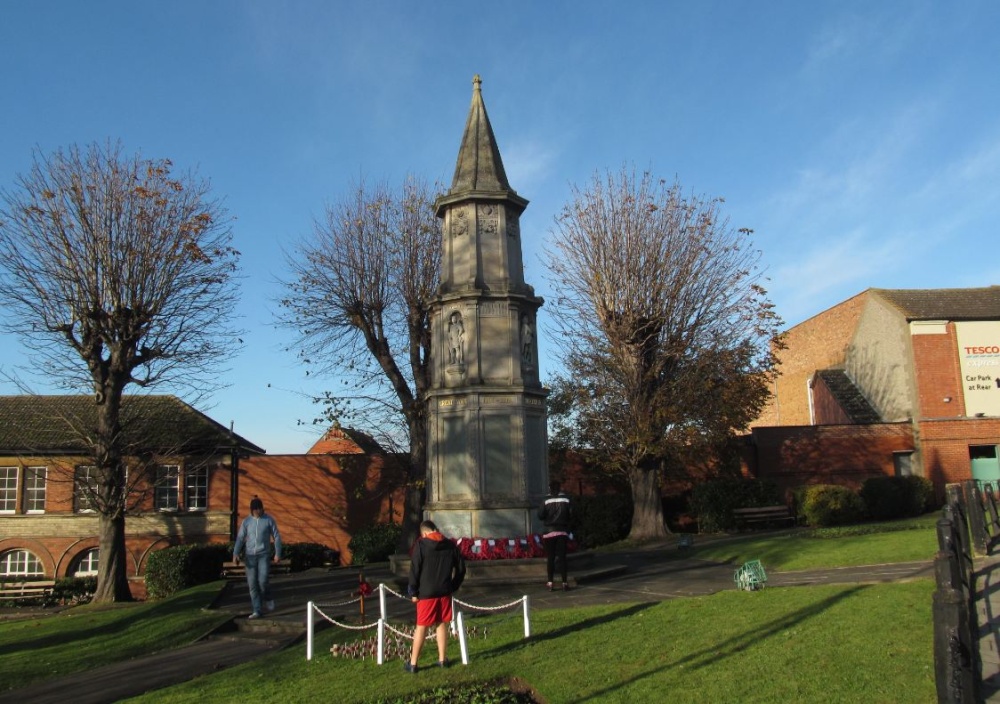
column 359, row 298
column 116, row 272
column 664, row 325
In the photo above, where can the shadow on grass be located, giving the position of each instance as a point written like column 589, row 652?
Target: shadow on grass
column 61, row 631
column 735, row 645
column 572, row 628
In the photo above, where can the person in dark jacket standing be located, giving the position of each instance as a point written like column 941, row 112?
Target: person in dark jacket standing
column 436, row 571
column 256, row 533
column 555, row 515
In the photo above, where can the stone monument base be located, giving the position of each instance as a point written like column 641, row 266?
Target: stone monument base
column 530, row 570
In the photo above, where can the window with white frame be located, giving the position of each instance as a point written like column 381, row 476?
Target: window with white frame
column 20, row 563
column 166, row 488
column 84, row 488
column 34, row 489
column 196, row 489
column 8, row 489
column 86, row 564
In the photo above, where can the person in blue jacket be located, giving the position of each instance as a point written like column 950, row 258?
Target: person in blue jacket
column 256, row 533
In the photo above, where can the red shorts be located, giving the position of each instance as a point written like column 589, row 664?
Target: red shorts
column 436, row 609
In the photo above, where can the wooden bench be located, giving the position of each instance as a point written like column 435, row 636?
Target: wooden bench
column 17, row 591
column 750, row 576
column 234, row 570
column 764, row 515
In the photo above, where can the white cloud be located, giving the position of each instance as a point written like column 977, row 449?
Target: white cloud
column 528, row 163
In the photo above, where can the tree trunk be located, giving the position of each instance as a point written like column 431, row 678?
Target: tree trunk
column 647, row 513
column 112, row 577
column 416, row 493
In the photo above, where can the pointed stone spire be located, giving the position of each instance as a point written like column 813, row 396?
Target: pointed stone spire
column 479, row 167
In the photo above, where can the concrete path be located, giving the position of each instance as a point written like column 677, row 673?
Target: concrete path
column 649, row 574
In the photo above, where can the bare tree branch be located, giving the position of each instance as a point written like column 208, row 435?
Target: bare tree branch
column 117, row 272
column 358, row 299
column 665, row 328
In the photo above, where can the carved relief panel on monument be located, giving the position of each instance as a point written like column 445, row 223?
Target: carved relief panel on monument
column 513, row 224
column 489, row 219
column 458, row 224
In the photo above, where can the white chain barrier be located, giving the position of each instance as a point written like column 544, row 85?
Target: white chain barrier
column 383, row 624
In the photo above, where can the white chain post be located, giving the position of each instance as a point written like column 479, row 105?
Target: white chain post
column 461, row 639
column 309, row 631
column 527, row 619
column 381, row 602
column 381, row 641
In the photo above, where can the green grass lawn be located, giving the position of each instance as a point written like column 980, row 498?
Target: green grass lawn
column 809, row 549
column 830, row 643
column 85, row 637
column 839, row 643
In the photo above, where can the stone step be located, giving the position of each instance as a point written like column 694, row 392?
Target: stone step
column 272, row 640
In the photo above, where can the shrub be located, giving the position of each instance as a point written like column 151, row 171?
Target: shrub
column 304, row 556
column 600, row 520
column 182, row 566
column 888, row 498
column 713, row 501
column 921, row 495
column 73, row 590
column 374, row 543
column 831, row 505
column 884, row 498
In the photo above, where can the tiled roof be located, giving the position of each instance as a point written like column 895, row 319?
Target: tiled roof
column 848, row 396
column 345, row 441
column 944, row 303
column 159, row 424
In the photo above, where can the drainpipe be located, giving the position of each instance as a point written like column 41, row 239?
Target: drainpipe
column 234, row 483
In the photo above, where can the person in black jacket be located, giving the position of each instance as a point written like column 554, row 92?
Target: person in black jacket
column 555, row 515
column 436, row 571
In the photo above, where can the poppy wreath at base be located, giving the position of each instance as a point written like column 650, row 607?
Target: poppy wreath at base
column 474, row 549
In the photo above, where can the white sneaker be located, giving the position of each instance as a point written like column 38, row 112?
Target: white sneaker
column 254, row 615
column 269, row 605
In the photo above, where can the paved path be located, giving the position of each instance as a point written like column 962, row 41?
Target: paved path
column 650, row 574
column 988, row 618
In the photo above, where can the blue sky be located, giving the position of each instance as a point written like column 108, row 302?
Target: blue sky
column 859, row 140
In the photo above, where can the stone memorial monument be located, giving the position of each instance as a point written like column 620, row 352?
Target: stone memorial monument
column 487, row 441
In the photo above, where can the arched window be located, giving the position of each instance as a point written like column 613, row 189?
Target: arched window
column 20, row 563
column 86, row 563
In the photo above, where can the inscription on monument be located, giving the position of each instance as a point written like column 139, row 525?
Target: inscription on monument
column 496, row 400
column 493, row 309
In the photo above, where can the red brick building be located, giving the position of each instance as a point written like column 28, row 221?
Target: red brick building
column 179, row 492
column 193, row 485
column 345, row 482
column 887, row 382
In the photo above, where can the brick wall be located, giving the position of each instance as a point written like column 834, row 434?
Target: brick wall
column 827, row 454
column 60, row 535
column 323, row 499
column 945, row 445
column 826, row 409
column 818, row 343
column 939, row 375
